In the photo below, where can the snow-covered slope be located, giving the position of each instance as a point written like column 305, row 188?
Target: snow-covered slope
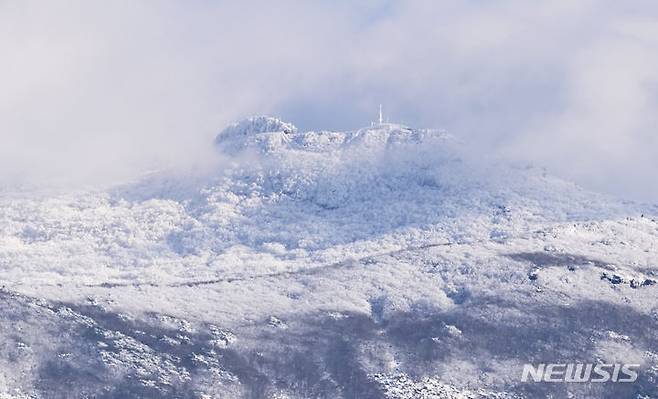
column 367, row 263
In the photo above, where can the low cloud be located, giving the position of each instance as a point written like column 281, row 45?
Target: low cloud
column 101, row 91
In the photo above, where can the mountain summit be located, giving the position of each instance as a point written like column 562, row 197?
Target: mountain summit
column 268, row 134
column 264, row 131
column 382, row 262
column 255, row 125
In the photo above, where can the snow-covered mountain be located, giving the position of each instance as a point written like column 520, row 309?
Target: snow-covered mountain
column 384, row 262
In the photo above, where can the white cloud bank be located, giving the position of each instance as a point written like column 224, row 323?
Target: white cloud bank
column 97, row 90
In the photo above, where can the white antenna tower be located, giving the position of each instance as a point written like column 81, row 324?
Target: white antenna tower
column 381, row 116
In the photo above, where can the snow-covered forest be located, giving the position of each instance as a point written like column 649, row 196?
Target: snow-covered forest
column 383, row 262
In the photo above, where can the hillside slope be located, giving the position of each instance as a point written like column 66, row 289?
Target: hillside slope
column 380, row 262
